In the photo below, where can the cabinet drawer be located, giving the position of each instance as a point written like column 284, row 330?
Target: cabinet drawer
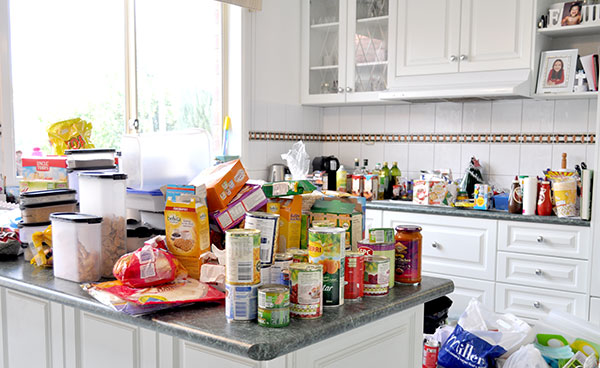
column 595, row 311
column 535, row 303
column 466, row 289
column 546, row 239
column 451, row 245
column 547, row 272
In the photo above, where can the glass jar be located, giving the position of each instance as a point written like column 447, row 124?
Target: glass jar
column 409, row 250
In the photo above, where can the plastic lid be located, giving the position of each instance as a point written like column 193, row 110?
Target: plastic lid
column 21, row 224
column 409, row 228
column 153, row 193
column 76, row 217
column 93, row 168
column 45, row 193
column 104, row 175
column 90, row 150
column 47, row 204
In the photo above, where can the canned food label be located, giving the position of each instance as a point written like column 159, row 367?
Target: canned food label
column 327, row 248
column 308, row 288
column 352, row 262
column 381, row 235
column 276, row 270
column 241, row 302
column 268, row 235
column 407, row 260
column 274, row 317
column 240, row 263
column 377, row 273
column 273, row 299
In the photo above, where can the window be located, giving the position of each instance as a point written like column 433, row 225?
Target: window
column 69, row 60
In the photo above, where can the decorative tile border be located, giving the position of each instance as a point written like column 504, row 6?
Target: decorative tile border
column 429, row 138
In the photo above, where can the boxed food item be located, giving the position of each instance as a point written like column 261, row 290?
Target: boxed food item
column 52, row 168
column 342, row 214
column 370, row 187
column 483, row 197
column 32, row 185
column 290, row 221
column 430, row 192
column 187, row 231
column 250, row 198
column 222, row 182
column 286, row 188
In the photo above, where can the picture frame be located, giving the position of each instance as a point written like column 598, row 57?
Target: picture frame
column 557, row 71
column 572, row 13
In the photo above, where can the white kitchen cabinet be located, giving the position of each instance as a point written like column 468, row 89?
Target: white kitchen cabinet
column 373, row 219
column 595, row 311
column 450, row 36
column 466, row 289
column 344, row 51
column 453, row 245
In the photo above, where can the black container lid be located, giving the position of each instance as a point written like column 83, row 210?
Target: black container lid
column 45, row 193
column 90, row 150
column 76, row 217
column 22, row 224
column 46, row 204
column 93, row 168
column 104, row 175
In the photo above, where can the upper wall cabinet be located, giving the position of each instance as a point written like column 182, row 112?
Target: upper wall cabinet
column 344, row 50
column 450, row 36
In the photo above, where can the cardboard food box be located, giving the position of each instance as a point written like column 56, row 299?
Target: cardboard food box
column 222, row 182
column 51, row 168
column 290, row 220
column 430, row 192
column 344, row 214
column 250, row 198
column 286, row 188
column 187, row 232
column 33, row 185
column 483, row 197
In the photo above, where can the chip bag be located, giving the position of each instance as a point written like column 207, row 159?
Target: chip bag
column 148, row 266
column 70, row 134
column 42, row 251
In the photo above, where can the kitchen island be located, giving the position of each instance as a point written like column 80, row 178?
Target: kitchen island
column 49, row 322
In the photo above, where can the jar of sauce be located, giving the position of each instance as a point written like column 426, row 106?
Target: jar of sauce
column 408, row 250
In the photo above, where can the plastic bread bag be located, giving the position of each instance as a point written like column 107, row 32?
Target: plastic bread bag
column 42, row 252
column 70, row 134
column 10, row 245
column 526, row 357
column 148, row 266
column 482, row 336
column 298, row 161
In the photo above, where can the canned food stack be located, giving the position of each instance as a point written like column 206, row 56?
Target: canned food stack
column 273, row 305
column 326, row 247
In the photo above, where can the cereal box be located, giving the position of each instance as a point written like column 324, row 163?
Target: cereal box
column 290, row 221
column 51, row 168
column 250, row 198
column 222, row 182
column 430, row 192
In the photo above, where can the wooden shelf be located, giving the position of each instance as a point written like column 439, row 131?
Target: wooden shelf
column 565, row 96
column 323, row 67
column 325, row 26
column 568, row 31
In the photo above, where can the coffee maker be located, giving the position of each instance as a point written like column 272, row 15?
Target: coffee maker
column 328, row 164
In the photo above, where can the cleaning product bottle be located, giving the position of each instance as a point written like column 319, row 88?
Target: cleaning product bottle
column 340, row 179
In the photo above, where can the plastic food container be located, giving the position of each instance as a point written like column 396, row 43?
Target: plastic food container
column 25, row 232
column 90, row 158
column 145, row 200
column 47, row 196
column 41, row 212
column 76, row 246
column 155, row 159
column 73, row 176
column 103, row 194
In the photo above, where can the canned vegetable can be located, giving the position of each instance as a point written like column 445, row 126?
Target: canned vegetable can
column 241, row 302
column 354, row 276
column 268, row 224
column 299, row 255
column 279, row 317
column 304, row 225
column 381, row 235
column 273, row 296
column 306, row 297
column 388, row 250
column 323, row 223
column 242, row 252
column 326, row 246
column 377, row 275
column 282, row 262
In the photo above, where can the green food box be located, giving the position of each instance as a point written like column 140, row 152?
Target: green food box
column 344, row 215
column 286, row 188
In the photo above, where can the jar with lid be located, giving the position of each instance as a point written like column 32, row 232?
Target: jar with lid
column 408, row 250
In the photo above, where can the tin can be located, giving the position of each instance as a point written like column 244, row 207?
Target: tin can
column 409, row 250
column 323, row 223
column 279, row 317
column 326, row 246
column 379, row 249
column 354, row 275
column 241, row 302
column 381, row 235
column 282, row 262
column 377, row 275
column 273, row 296
column 284, row 278
column 306, row 297
column 431, row 350
column 299, row 255
column 266, row 273
column 242, row 252
column 304, row 225
column 268, row 224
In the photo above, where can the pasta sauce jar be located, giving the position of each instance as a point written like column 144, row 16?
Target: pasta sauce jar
column 408, row 254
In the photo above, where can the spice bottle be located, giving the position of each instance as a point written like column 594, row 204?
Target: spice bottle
column 515, row 201
column 544, row 204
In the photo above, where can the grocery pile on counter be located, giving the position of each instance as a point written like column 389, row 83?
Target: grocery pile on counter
column 563, row 193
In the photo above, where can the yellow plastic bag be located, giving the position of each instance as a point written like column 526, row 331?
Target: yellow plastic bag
column 42, row 242
column 70, row 134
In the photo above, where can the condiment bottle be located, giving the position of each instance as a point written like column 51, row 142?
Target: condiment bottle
column 544, row 204
column 515, row 201
column 408, row 251
column 340, row 177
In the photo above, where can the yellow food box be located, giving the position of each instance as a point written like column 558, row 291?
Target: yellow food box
column 290, row 220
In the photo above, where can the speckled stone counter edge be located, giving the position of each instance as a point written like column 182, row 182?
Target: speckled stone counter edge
column 257, row 351
column 400, row 206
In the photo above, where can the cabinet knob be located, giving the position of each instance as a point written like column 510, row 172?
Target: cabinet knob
column 537, row 305
column 340, row 90
column 453, row 58
column 348, row 89
column 540, row 239
column 436, row 245
column 463, row 57
column 538, row 272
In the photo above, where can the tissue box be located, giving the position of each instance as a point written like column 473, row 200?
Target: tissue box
column 430, row 192
column 222, row 182
column 483, row 197
column 250, row 198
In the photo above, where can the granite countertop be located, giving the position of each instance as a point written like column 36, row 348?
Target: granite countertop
column 402, row 206
column 206, row 324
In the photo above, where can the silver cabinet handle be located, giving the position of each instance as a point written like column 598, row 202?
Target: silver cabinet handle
column 340, row 90
column 453, row 58
column 537, row 305
column 538, row 272
column 463, row 57
column 540, row 239
column 436, row 245
column 348, row 89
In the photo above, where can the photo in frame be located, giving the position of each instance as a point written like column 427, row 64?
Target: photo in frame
column 572, row 14
column 557, row 71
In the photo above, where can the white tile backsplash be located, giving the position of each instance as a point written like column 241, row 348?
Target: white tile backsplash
column 500, row 181
column 481, row 151
column 576, row 154
column 275, row 117
column 592, row 116
column 590, row 156
column 348, row 151
column 396, row 152
column 397, row 118
column 331, row 120
column 420, row 156
column 373, row 119
column 447, row 156
column 571, row 116
column 504, row 159
column 448, row 117
column 534, row 159
column 260, row 117
column 293, row 120
column 538, row 116
column 373, row 152
column 350, row 119
column 330, row 148
column 506, row 116
column 477, row 117
column 422, row 118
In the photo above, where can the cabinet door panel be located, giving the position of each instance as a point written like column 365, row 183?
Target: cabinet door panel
column 595, row 311
column 372, row 220
column 426, row 37
column 496, row 35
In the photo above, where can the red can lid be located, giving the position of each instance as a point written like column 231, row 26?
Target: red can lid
column 408, row 228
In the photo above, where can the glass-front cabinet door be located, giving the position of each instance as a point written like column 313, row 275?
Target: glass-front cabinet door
column 367, row 64
column 324, row 51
